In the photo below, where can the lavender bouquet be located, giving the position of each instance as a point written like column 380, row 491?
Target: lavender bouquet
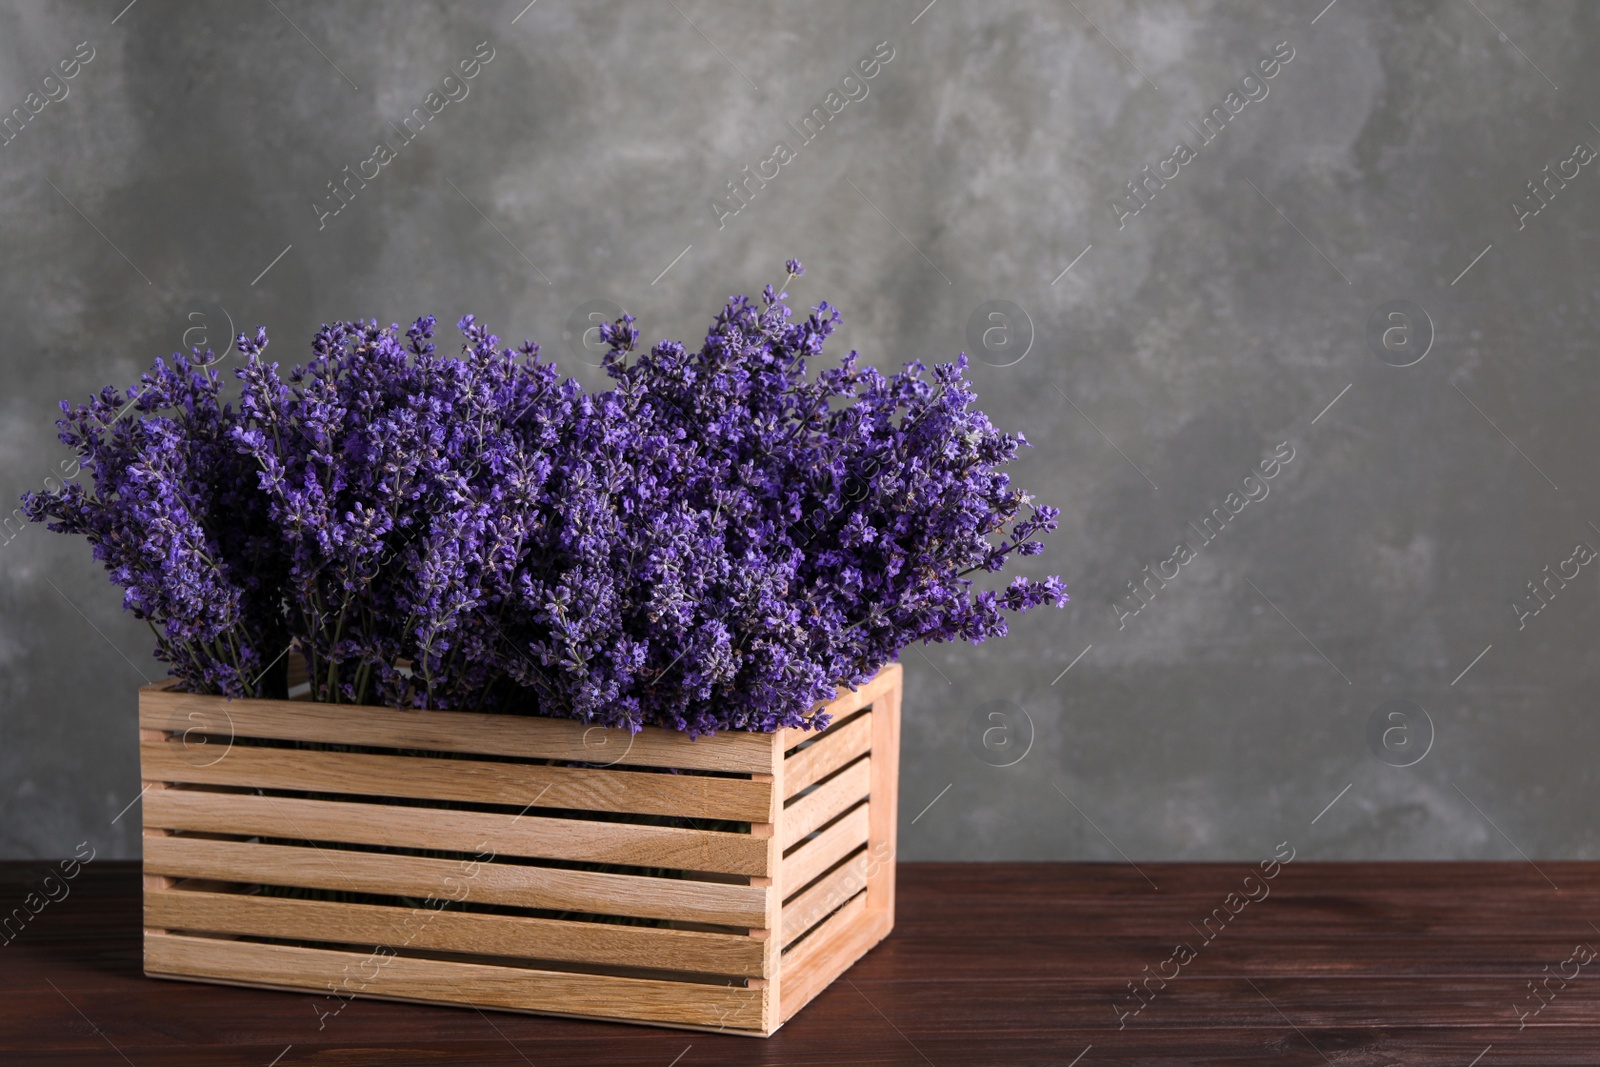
column 717, row 542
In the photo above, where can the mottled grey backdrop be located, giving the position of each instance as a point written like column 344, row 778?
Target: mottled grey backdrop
column 1187, row 341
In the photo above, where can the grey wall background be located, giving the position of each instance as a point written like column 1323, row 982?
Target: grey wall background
column 1219, row 321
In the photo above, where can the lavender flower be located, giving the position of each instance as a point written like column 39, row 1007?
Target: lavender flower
column 175, row 518
column 716, row 542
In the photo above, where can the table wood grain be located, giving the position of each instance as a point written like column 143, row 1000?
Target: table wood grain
column 993, row 964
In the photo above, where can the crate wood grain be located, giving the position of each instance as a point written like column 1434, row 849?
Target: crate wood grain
column 518, row 863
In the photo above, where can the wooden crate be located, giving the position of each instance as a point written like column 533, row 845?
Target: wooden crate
column 517, row 863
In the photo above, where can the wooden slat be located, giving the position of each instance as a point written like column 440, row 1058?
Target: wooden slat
column 822, row 899
column 453, row 731
column 773, row 828
column 883, row 841
column 837, row 746
column 805, row 815
column 487, row 985
column 153, row 882
column 831, row 949
column 826, row 849
column 514, row 784
column 455, row 931
column 492, row 883
column 463, row 831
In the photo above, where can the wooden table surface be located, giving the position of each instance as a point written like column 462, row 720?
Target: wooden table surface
column 1003, row 964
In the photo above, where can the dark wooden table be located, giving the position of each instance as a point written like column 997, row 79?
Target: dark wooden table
column 1003, row 964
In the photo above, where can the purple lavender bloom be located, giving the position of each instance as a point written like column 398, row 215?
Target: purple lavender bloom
column 717, row 542
column 174, row 517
